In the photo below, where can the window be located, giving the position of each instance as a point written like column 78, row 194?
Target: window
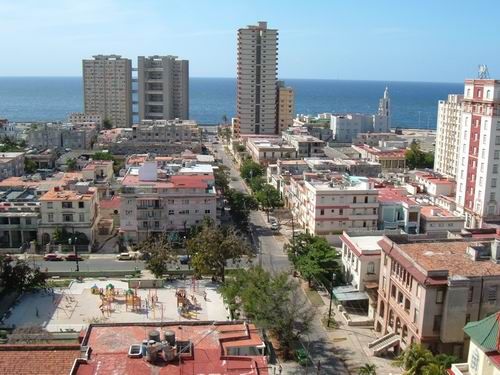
column 67, row 218
column 354, row 199
column 81, row 204
column 207, row 211
column 439, row 296
column 497, row 140
column 51, row 218
column 185, row 201
column 467, row 318
column 437, row 323
column 415, row 315
column 145, row 224
column 67, row 205
column 417, row 292
column 27, row 221
column 341, row 211
column 170, row 212
column 81, row 217
column 49, row 205
column 492, row 196
column 496, row 155
column 493, row 182
column 366, row 199
column 471, row 294
column 370, row 269
column 322, row 212
column 492, row 293
column 157, row 224
column 495, row 168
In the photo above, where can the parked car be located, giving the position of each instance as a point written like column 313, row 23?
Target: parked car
column 52, row 257
column 275, row 225
column 73, row 257
column 183, row 259
column 126, row 256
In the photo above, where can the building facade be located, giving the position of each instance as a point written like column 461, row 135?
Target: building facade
column 11, row 164
column 449, row 121
column 256, row 80
column 478, row 185
column 107, row 88
column 163, row 88
column 286, row 107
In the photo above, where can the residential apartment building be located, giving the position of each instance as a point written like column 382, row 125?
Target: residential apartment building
column 74, row 210
column 435, row 184
column 316, row 126
column 107, row 88
column 286, row 107
column 398, row 210
column 478, row 187
column 268, row 150
column 166, row 131
column 306, row 146
column 154, row 201
column 449, row 120
column 256, row 80
column 11, row 164
column 428, row 290
column 484, row 348
column 163, row 88
column 78, row 136
column 78, row 118
column 391, row 159
column 434, row 219
column 326, row 206
column 346, row 127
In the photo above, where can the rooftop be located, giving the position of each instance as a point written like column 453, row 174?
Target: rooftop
column 432, row 212
column 214, row 348
column 435, row 179
column 47, row 359
column 395, row 195
column 110, row 204
column 484, row 333
column 68, row 195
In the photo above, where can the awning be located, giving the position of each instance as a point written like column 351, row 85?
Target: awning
column 348, row 293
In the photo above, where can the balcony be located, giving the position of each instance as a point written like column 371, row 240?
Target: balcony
column 460, row 369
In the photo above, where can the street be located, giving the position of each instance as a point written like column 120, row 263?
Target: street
column 272, row 258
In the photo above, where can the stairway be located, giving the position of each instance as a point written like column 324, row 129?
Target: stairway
column 383, row 343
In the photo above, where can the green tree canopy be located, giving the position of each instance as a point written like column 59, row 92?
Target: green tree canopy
column 368, row 369
column 29, row 166
column 71, row 164
column 269, row 198
column 416, row 158
column 222, row 177
column 418, row 360
column 272, row 302
column 107, row 124
column 250, row 169
column 20, row 276
column 314, row 258
column 159, row 254
column 241, row 204
column 212, row 246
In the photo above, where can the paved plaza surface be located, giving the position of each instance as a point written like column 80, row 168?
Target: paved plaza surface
column 73, row 308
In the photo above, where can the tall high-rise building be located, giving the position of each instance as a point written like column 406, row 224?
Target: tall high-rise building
column 163, row 88
column 286, row 107
column 257, row 71
column 107, row 88
column 449, row 121
column 478, row 185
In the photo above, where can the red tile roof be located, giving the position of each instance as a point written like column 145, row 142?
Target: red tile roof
column 37, row 359
column 110, row 344
column 110, row 204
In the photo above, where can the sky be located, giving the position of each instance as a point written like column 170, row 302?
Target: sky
column 392, row 40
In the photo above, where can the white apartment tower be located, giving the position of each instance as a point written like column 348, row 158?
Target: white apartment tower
column 382, row 120
column 107, row 88
column 163, row 88
column 449, row 121
column 478, row 187
column 257, row 71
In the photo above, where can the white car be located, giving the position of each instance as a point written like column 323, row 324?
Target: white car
column 275, row 225
column 126, row 256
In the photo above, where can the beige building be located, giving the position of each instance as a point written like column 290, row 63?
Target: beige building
column 77, row 118
column 11, row 164
column 257, row 71
column 428, row 290
column 163, row 88
column 73, row 210
column 107, row 88
column 449, row 120
column 286, row 107
column 269, row 150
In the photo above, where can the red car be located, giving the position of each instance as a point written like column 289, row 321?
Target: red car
column 73, row 257
column 51, row 257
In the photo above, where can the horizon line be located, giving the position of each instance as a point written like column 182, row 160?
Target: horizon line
column 279, row 79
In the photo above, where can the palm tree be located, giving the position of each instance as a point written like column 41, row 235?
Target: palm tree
column 434, row 369
column 368, row 369
column 414, row 359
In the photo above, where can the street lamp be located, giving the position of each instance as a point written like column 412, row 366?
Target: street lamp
column 331, row 299
column 72, row 241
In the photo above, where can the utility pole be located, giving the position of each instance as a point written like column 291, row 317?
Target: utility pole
column 331, row 299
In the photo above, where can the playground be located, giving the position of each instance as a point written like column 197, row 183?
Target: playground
column 113, row 301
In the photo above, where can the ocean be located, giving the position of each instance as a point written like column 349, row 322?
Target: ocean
column 414, row 104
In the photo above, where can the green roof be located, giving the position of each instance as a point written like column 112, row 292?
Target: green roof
column 484, row 332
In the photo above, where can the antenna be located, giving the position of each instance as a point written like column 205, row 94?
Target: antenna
column 483, row 72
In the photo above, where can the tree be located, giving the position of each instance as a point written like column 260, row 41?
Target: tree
column 314, row 258
column 158, row 254
column 71, row 164
column 241, row 204
column 250, row 169
column 107, row 124
column 272, row 302
column 20, row 276
column 368, row 369
column 29, row 166
column 416, row 158
column 213, row 246
column 222, row 176
column 101, row 155
column 269, row 198
column 417, row 360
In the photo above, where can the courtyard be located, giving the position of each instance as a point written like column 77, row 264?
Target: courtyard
column 113, row 301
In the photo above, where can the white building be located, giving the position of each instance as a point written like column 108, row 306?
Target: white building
column 257, row 71
column 478, row 187
column 154, row 201
column 328, row 207
column 11, row 164
column 449, row 121
column 163, row 88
